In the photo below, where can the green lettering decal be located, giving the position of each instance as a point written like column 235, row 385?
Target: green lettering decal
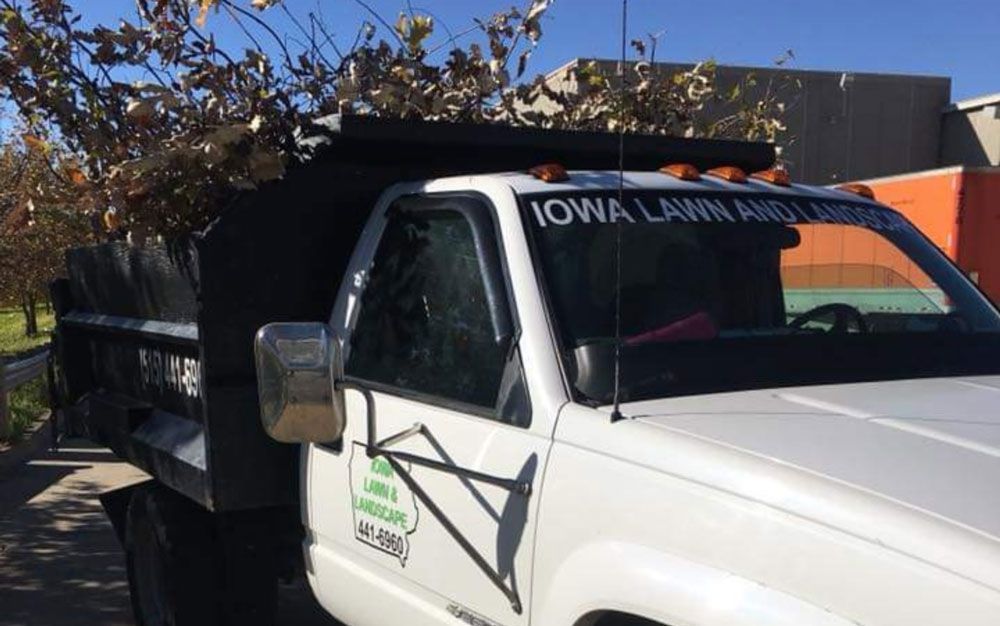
column 385, row 510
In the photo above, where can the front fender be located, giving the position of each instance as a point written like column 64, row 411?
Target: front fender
column 640, row 581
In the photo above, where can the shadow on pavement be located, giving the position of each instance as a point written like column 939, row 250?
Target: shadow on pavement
column 27, row 482
column 60, row 562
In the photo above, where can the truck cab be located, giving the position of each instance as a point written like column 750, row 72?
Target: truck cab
column 805, row 437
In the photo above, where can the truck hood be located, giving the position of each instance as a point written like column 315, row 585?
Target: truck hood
column 931, row 446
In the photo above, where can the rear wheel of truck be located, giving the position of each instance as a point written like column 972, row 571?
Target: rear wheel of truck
column 174, row 576
column 190, row 567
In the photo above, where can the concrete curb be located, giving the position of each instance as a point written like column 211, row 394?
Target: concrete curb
column 34, row 443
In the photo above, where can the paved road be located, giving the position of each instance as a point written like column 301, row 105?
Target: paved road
column 60, row 562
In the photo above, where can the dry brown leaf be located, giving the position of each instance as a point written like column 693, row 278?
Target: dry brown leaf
column 77, row 176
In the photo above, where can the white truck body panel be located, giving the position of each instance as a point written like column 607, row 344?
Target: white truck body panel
column 879, row 437
column 697, row 504
column 871, row 504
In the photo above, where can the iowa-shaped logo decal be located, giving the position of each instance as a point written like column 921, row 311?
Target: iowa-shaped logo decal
column 385, row 510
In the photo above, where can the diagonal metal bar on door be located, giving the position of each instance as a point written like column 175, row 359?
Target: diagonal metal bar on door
column 374, row 448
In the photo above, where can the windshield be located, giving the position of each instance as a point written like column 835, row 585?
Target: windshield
column 725, row 291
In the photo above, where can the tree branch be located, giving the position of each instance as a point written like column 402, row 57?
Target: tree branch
column 311, row 37
column 266, row 27
column 381, row 21
column 319, row 24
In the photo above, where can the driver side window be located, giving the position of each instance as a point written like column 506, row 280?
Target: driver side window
column 424, row 323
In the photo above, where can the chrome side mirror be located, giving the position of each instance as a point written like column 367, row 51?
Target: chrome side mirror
column 297, row 366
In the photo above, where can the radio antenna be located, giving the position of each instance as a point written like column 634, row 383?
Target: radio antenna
column 616, row 413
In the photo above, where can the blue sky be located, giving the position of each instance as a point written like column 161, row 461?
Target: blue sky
column 956, row 38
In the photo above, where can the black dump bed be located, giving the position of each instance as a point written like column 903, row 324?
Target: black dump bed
column 155, row 344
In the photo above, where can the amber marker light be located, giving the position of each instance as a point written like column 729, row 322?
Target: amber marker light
column 775, row 177
column 549, row 172
column 681, row 171
column 728, row 173
column 858, row 189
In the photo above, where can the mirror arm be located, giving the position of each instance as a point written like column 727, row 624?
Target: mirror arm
column 343, row 385
column 374, row 448
column 416, row 429
column 520, row 487
column 493, row 575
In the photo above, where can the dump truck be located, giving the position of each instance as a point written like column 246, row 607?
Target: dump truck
column 483, row 375
column 958, row 208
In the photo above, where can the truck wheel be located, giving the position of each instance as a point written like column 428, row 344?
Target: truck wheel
column 623, row 619
column 249, row 551
column 173, row 573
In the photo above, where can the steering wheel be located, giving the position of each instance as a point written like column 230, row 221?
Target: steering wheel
column 843, row 314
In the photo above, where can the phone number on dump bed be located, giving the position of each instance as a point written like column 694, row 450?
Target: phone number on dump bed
column 166, row 372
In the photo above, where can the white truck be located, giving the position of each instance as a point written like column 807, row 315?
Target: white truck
column 802, row 436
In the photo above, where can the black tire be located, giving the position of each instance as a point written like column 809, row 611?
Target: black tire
column 173, row 569
column 622, row 619
column 248, row 541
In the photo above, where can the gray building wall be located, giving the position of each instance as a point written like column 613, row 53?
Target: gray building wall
column 841, row 127
column 970, row 133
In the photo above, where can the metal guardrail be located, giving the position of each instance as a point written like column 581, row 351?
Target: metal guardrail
column 25, row 370
column 15, row 374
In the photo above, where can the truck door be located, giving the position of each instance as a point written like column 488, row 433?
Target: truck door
column 433, row 335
